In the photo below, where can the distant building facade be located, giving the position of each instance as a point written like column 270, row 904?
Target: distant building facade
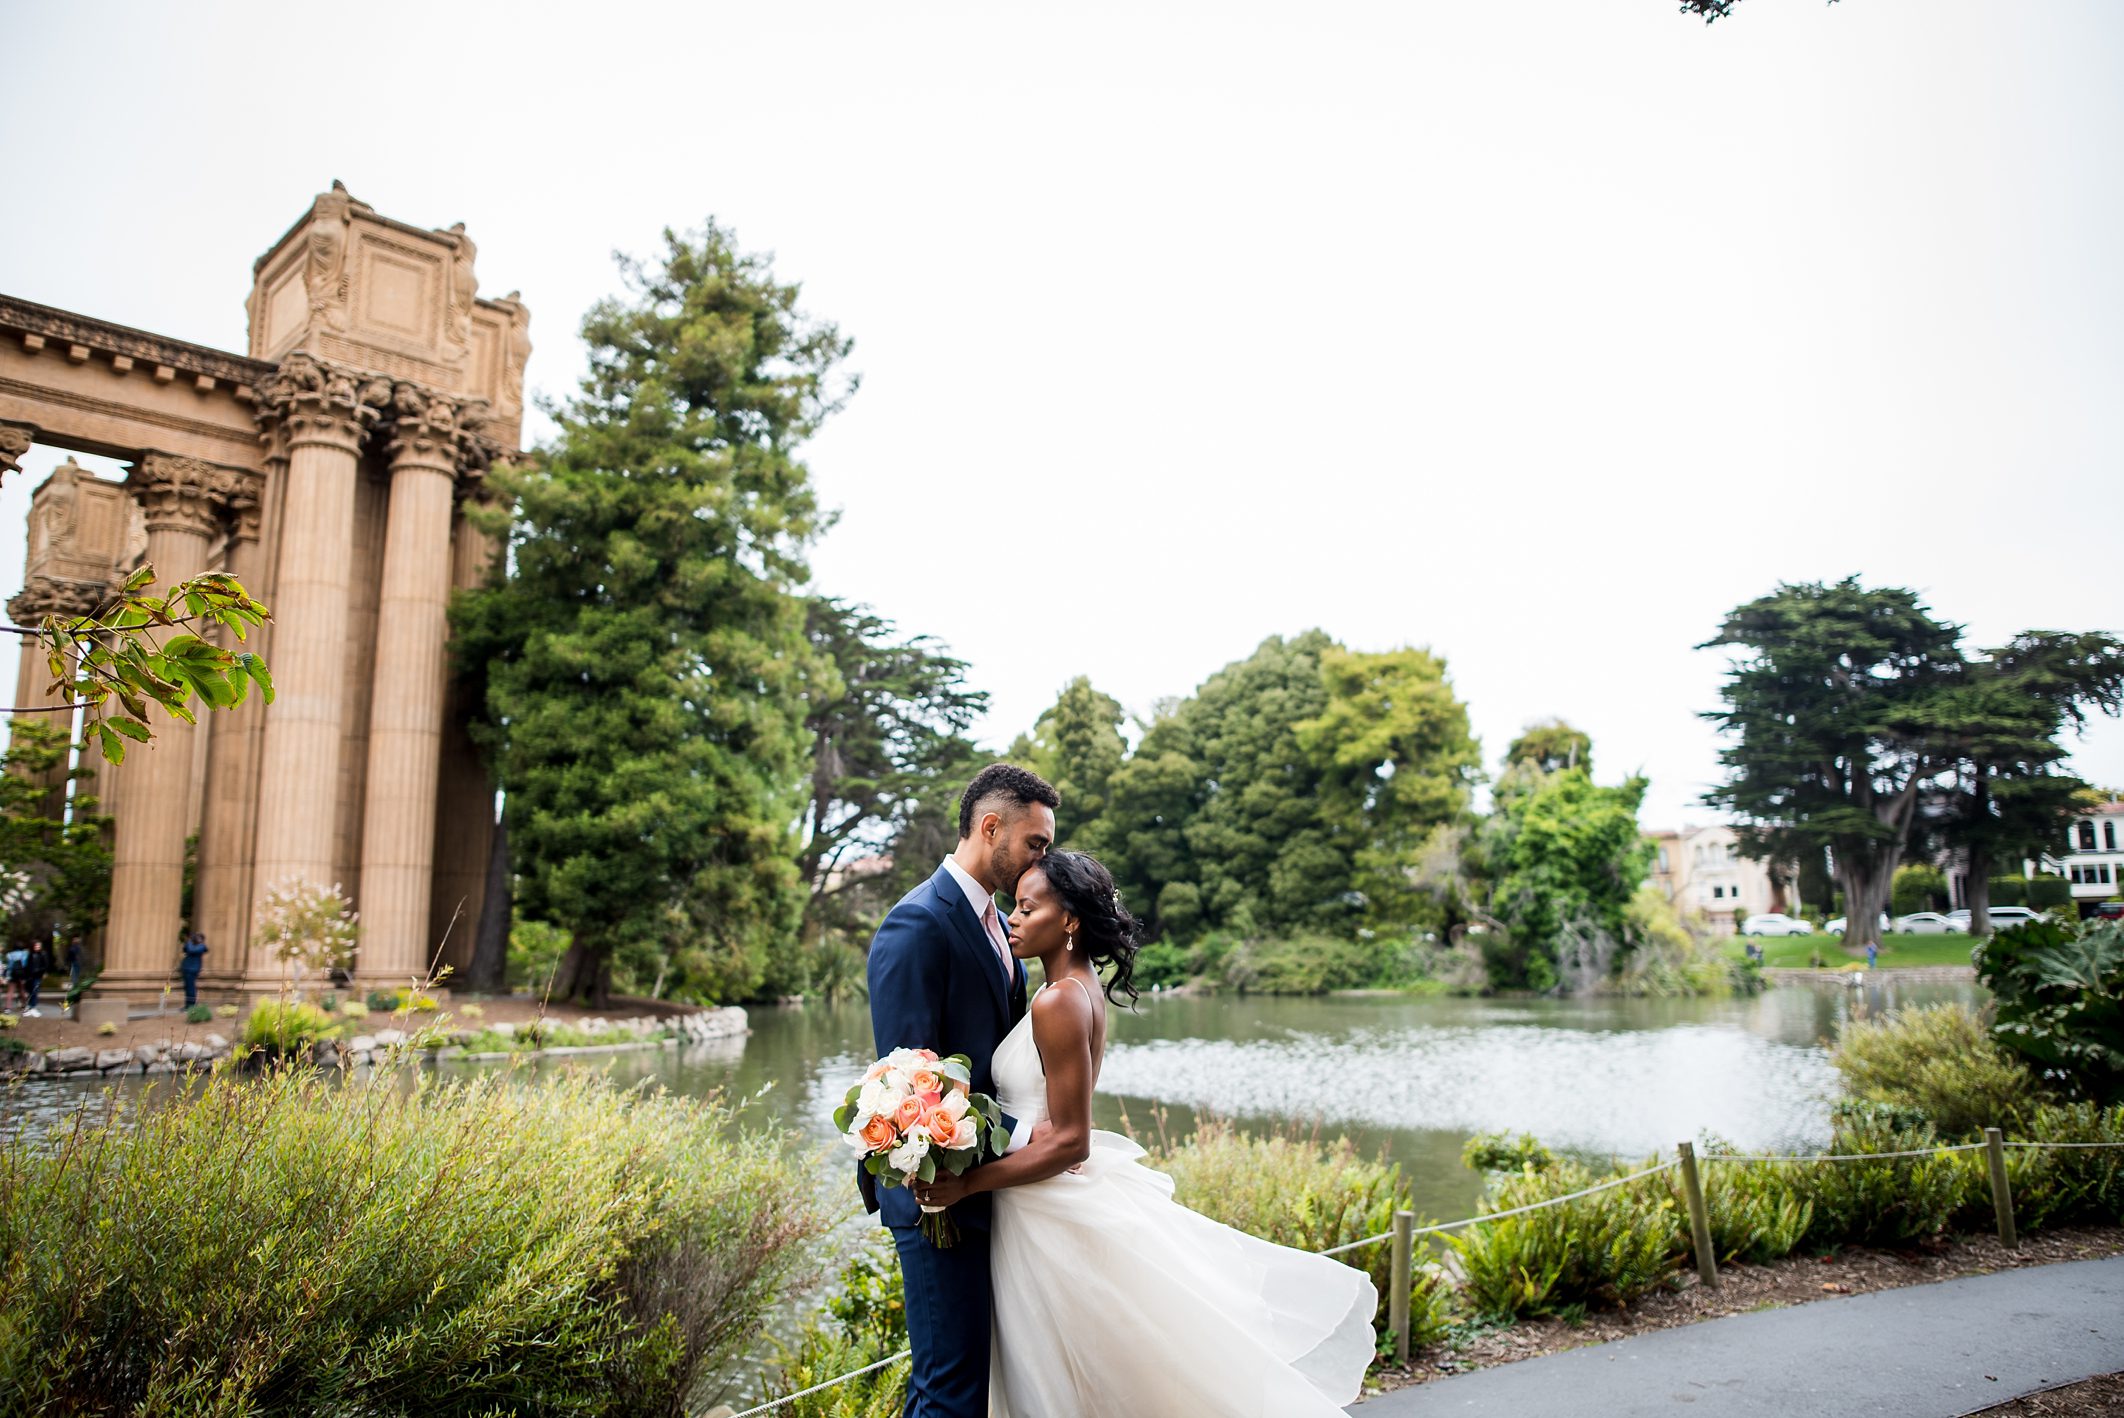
column 2092, row 861
column 1702, row 871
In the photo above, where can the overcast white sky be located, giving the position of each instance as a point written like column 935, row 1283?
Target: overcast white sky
column 1538, row 333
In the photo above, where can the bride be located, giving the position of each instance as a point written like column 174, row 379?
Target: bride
column 1112, row 1299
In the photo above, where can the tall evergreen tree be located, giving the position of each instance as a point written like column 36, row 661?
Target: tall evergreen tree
column 1832, row 721
column 645, row 660
column 2009, row 795
column 886, row 720
column 1077, row 746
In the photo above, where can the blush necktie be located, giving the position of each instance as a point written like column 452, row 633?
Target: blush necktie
column 993, row 924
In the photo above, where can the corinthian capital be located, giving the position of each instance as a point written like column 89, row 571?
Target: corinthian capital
column 182, row 494
column 54, row 595
column 438, row 431
column 314, row 402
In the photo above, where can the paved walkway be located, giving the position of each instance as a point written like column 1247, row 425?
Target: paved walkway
column 1924, row 1351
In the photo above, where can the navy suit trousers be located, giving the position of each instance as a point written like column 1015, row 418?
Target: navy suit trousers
column 949, row 1320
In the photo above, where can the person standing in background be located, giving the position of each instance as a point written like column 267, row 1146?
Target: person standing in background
column 195, row 949
column 35, row 968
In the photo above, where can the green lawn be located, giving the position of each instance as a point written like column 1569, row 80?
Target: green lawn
column 1796, row 951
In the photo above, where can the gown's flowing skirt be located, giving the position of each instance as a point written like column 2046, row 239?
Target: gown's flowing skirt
column 1114, row 1301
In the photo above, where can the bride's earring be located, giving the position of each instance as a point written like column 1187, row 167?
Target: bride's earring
column 1069, row 942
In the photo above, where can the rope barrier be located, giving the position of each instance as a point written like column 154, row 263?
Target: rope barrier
column 1842, row 1156
column 1444, row 1226
column 2062, row 1144
column 1552, row 1201
column 816, row 1388
column 1353, row 1245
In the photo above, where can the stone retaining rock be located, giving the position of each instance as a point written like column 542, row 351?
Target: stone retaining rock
column 166, row 1056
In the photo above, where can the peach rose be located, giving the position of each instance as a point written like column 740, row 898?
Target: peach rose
column 879, row 1133
column 908, row 1113
column 929, row 1054
column 924, row 1080
column 877, row 1070
column 964, row 1135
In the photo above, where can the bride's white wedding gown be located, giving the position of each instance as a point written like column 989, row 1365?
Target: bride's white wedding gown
column 1112, row 1300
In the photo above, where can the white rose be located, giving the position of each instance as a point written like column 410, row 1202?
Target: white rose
column 907, row 1157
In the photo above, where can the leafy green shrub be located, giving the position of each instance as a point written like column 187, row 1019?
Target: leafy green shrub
column 382, row 1001
column 1295, row 1190
column 353, row 1009
column 2048, row 892
column 1885, row 1202
column 2060, row 1186
column 499, row 1244
column 285, row 1026
column 535, row 949
column 2059, row 1002
column 865, row 1321
column 1942, row 1061
column 1917, row 886
column 1162, row 963
column 1508, row 1152
column 328, row 1002
column 1612, row 1246
column 1302, row 965
column 198, row 1014
column 1756, row 1213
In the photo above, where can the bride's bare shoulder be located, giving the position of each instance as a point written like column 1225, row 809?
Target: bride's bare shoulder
column 1062, row 1013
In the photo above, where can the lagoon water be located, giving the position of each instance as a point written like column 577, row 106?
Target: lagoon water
column 1411, row 1077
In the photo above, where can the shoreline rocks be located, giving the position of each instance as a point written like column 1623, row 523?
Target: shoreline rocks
column 364, row 1050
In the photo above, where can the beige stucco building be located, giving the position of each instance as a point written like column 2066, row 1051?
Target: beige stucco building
column 1703, row 873
column 328, row 468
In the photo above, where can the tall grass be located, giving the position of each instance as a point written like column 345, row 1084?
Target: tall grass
column 292, row 1244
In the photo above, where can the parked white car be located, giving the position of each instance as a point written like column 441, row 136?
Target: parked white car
column 2001, row 917
column 1930, row 923
column 1836, row 925
column 1775, row 923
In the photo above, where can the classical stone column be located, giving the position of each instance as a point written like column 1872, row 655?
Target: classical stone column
column 323, row 416
column 43, row 596
column 180, row 497
column 230, row 812
column 429, row 439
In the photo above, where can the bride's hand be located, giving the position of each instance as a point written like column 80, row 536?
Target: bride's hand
column 946, row 1190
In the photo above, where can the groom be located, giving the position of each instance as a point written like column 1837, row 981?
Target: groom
column 942, row 977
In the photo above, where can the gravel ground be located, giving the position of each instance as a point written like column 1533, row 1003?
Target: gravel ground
column 1792, row 1281
column 2089, row 1398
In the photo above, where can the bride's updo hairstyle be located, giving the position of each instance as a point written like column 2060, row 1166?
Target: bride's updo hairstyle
column 1106, row 933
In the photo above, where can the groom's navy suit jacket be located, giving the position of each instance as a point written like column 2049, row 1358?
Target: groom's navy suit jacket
column 936, row 983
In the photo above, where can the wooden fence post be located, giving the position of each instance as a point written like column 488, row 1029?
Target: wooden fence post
column 2001, row 1189
column 1401, row 1278
column 1699, row 1216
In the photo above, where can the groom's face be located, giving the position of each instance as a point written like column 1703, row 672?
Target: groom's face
column 1017, row 840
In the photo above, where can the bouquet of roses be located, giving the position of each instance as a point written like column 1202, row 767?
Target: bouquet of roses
column 914, row 1115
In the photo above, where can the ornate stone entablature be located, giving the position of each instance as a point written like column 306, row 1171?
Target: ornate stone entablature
column 360, row 292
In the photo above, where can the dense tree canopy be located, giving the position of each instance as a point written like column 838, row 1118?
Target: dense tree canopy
column 1831, row 739
column 886, row 720
column 1856, row 724
column 1288, row 793
column 646, row 660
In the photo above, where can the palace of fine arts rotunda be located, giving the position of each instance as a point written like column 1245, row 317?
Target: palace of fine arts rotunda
column 329, row 469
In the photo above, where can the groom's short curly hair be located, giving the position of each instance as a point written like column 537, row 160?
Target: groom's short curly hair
column 1003, row 783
